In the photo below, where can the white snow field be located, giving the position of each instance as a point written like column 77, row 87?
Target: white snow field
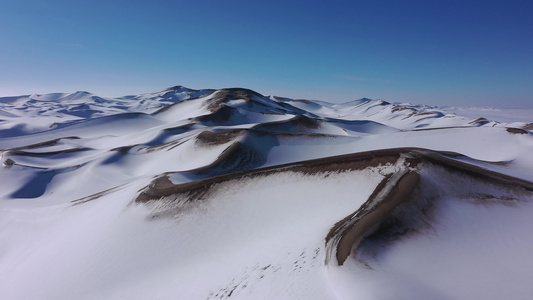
column 229, row 194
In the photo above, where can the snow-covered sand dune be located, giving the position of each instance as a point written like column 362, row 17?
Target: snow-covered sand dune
column 214, row 194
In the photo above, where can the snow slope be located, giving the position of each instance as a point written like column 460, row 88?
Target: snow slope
column 214, row 194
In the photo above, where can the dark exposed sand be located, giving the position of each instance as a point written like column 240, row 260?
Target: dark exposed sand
column 355, row 227
column 348, row 233
column 219, row 137
column 162, row 186
column 516, row 130
column 41, row 144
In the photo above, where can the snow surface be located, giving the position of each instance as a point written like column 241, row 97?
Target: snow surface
column 74, row 164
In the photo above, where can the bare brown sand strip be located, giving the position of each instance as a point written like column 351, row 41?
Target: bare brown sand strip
column 162, row 186
column 218, row 137
column 341, row 225
column 40, row 154
column 350, row 232
column 364, row 221
column 516, row 130
column 41, row 144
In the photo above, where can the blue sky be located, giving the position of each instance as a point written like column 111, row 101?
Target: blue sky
column 469, row 53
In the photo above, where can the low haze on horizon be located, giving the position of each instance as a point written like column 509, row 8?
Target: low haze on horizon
column 455, row 53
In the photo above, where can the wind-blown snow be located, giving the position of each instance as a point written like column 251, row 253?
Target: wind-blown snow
column 214, row 194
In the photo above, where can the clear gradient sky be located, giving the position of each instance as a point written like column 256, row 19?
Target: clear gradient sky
column 468, row 53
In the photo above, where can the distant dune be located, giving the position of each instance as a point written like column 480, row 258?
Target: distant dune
column 230, row 194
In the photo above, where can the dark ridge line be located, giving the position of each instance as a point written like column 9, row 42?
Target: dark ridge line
column 44, row 154
column 279, row 133
column 210, row 138
column 516, row 130
column 162, row 186
column 355, row 227
column 41, row 144
column 338, row 226
column 95, row 196
column 242, row 90
column 443, row 128
column 312, row 122
column 231, row 149
column 511, row 130
column 352, row 230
